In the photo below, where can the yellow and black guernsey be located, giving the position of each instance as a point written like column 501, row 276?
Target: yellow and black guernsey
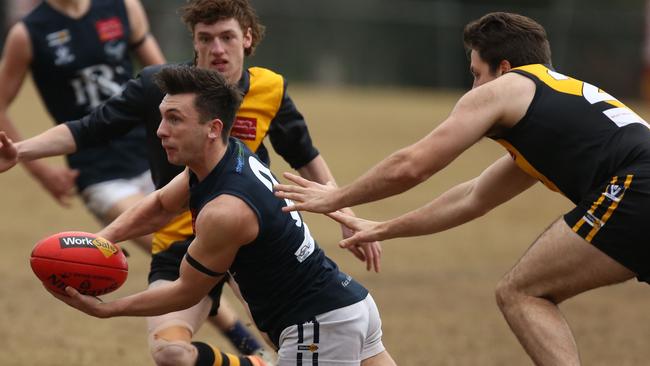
column 575, row 136
column 584, row 143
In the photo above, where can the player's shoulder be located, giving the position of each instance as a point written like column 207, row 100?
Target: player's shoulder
column 226, row 213
column 18, row 40
column 258, row 72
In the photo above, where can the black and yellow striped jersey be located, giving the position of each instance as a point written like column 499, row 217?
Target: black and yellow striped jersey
column 574, row 136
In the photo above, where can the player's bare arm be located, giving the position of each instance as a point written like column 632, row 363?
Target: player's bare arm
column 152, row 212
column 467, row 201
column 222, row 227
column 477, row 114
column 143, row 43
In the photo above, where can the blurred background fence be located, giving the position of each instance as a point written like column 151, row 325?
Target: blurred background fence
column 418, row 43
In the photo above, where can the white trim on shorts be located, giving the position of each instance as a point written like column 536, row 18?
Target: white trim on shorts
column 100, row 197
column 344, row 336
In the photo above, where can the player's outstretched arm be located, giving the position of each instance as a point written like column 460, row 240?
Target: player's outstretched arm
column 497, row 184
column 481, row 110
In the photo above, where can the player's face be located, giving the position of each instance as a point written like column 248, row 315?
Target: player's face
column 480, row 70
column 220, row 47
column 180, row 132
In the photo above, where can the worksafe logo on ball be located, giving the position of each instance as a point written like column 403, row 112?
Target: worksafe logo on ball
column 102, row 244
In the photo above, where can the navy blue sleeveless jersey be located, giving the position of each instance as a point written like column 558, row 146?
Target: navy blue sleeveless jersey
column 79, row 63
column 283, row 274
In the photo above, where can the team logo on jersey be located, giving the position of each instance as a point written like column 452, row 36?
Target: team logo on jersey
column 244, row 128
column 94, row 84
column 115, row 50
column 614, row 192
column 58, row 41
column 109, row 29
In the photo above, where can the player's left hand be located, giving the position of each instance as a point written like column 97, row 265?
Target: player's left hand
column 368, row 251
column 90, row 305
column 8, row 153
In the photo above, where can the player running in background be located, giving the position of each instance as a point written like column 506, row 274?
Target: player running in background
column 224, row 33
column 313, row 313
column 78, row 55
column 570, row 135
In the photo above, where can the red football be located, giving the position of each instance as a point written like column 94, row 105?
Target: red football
column 89, row 263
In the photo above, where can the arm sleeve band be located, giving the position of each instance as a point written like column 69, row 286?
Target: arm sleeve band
column 139, row 42
column 201, row 268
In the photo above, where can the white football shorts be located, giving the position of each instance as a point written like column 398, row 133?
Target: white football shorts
column 344, row 336
column 100, row 197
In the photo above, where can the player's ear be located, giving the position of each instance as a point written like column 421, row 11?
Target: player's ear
column 504, row 66
column 216, row 128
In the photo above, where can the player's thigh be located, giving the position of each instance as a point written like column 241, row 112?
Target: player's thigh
column 560, row 264
column 381, row 359
column 344, row 336
column 178, row 325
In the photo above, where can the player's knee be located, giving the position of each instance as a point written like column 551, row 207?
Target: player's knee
column 173, row 353
column 505, row 293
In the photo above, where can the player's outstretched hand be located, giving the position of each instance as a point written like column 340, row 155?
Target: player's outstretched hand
column 363, row 238
column 88, row 304
column 306, row 195
column 8, row 153
column 366, row 252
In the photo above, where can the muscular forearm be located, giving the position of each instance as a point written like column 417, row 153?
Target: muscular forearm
column 145, row 217
column 163, row 299
column 395, row 174
column 453, row 208
column 7, row 125
column 53, row 142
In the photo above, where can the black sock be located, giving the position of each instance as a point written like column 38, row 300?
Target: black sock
column 243, row 339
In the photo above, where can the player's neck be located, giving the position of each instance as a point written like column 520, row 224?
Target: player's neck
column 73, row 8
column 211, row 157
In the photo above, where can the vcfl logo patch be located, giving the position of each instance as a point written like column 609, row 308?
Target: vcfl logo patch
column 614, row 192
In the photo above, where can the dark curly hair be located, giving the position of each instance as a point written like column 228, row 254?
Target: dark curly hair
column 211, row 11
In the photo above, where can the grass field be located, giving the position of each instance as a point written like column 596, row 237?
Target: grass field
column 435, row 293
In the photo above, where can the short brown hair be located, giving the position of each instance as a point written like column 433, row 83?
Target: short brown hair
column 507, row 36
column 211, row 11
column 215, row 97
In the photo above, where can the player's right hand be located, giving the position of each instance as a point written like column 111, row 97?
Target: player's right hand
column 8, row 153
column 59, row 182
column 90, row 305
column 365, row 238
column 306, row 195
